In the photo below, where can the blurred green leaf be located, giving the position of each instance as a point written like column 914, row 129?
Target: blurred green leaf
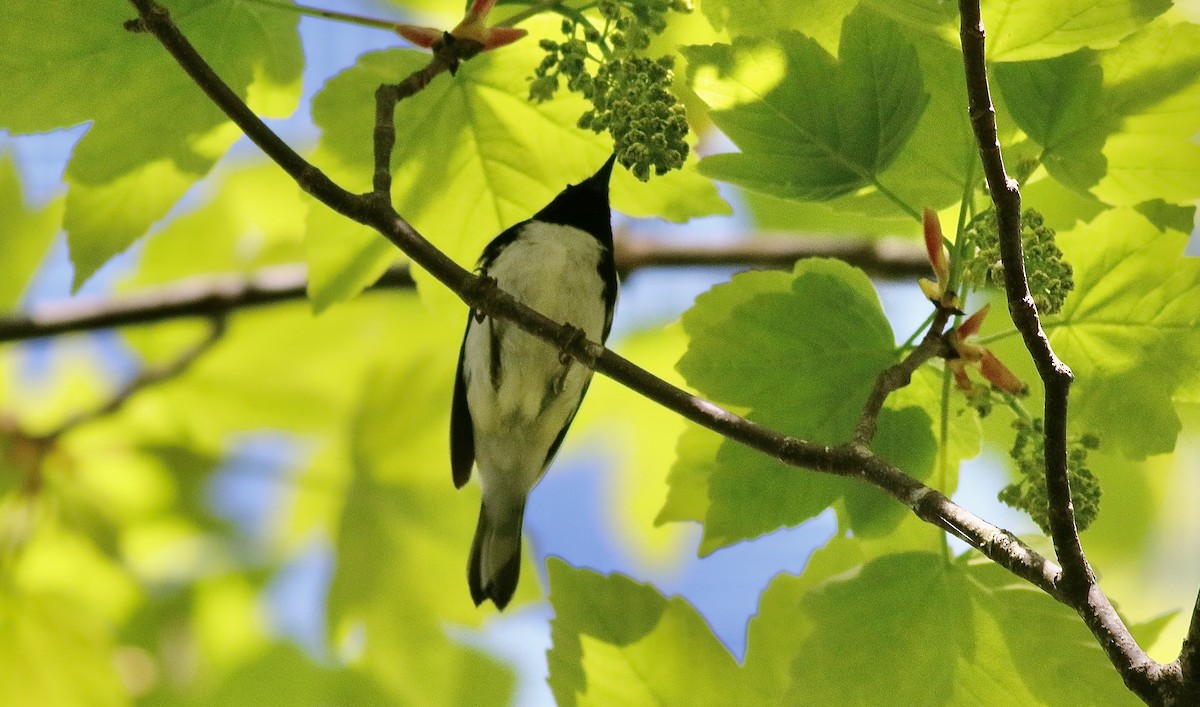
column 401, row 505
column 638, row 437
column 25, row 234
column 252, row 217
column 153, row 132
column 284, row 675
column 606, row 632
column 54, row 654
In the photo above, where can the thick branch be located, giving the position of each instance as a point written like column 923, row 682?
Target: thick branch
column 845, row 460
column 1188, row 665
column 208, row 297
column 1141, row 674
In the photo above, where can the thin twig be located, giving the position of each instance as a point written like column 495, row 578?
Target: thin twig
column 481, row 294
column 1078, row 584
column 145, row 379
column 447, row 54
column 897, row 376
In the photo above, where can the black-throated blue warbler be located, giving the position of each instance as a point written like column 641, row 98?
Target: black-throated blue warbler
column 516, row 395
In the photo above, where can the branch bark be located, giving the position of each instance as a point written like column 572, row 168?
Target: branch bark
column 207, row 297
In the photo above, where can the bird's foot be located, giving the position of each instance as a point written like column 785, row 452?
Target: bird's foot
column 567, row 338
column 483, row 286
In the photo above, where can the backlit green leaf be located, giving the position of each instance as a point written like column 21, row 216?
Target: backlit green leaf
column 153, row 131
column 1019, row 30
column 1150, row 85
column 809, row 126
column 898, row 627
column 472, row 157
column 1135, row 306
column 1060, row 104
column 1051, row 649
column 755, row 343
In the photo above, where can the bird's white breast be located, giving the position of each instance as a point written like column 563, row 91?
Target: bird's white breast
column 553, row 269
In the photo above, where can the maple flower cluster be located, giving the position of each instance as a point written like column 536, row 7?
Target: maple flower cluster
column 1028, row 492
column 630, row 94
column 1049, row 276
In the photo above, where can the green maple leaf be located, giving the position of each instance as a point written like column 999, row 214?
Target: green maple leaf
column 617, row 641
column 801, row 351
column 809, row 126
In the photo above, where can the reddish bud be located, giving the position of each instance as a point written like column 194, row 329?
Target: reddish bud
column 972, row 324
column 419, row 36
column 960, row 376
column 935, row 247
column 998, row 374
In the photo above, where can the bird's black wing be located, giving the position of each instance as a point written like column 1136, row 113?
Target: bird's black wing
column 566, row 426
column 462, row 431
column 608, row 272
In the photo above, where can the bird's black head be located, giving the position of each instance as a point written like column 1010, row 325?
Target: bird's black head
column 584, row 205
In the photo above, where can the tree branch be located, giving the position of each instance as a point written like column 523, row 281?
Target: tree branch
column 1188, row 664
column 845, row 460
column 197, row 297
column 892, row 258
column 224, row 294
column 1078, row 583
